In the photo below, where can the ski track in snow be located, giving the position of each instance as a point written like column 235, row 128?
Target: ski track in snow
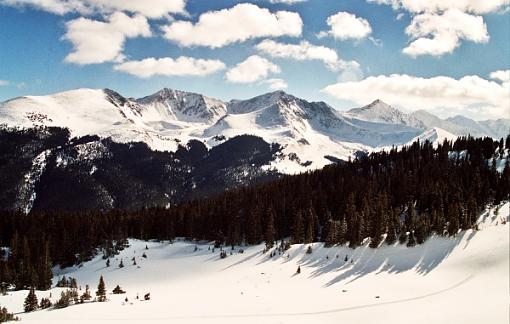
column 329, row 311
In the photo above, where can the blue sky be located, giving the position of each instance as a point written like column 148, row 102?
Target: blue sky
column 466, row 49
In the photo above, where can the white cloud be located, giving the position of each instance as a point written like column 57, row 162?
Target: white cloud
column 181, row 66
column 147, row 8
column 473, row 6
column 98, row 42
column 438, row 34
column 439, row 26
column 239, row 23
column 344, row 25
column 254, row 68
column 470, row 95
column 305, row 51
column 276, row 84
column 501, row 75
column 4, row 83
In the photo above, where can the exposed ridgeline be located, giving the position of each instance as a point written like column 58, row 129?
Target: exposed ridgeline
column 407, row 194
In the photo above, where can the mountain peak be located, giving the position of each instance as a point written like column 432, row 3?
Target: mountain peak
column 184, row 106
column 377, row 102
column 259, row 102
column 380, row 112
column 379, row 105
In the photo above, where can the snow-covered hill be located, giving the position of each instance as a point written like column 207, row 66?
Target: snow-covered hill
column 311, row 133
column 463, row 279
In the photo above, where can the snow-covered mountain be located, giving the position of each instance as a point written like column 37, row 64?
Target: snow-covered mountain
column 460, row 125
column 379, row 111
column 311, row 134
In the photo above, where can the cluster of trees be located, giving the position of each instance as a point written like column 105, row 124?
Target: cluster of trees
column 5, row 316
column 407, row 193
column 67, row 297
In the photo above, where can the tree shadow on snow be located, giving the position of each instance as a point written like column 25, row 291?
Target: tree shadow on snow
column 389, row 259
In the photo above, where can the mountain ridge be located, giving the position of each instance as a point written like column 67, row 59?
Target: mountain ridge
column 307, row 130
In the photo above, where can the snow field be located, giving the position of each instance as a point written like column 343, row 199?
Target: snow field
column 446, row 280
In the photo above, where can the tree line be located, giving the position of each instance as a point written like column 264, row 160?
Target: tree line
column 407, row 193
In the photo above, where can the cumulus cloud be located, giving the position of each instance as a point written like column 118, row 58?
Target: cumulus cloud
column 470, row 95
column 439, row 26
column 4, row 83
column 147, row 8
column 305, row 51
column 438, row 34
column 276, row 84
column 167, row 66
column 501, row 75
column 103, row 41
column 344, row 25
column 473, row 6
column 239, row 23
column 253, row 69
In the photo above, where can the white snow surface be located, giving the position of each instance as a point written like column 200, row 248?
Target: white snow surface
column 445, row 280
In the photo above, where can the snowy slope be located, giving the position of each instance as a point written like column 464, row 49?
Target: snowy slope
column 446, row 280
column 435, row 135
column 83, row 111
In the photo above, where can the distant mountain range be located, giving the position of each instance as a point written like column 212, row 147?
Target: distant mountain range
column 309, row 133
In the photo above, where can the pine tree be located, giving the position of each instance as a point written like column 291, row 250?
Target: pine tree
column 310, row 226
column 86, row 295
column 298, row 228
column 45, row 303
column 331, row 237
column 402, row 238
column 101, row 290
column 65, row 299
column 5, row 316
column 73, row 283
column 45, row 273
column 253, row 227
column 355, row 222
column 342, row 232
column 453, row 218
column 392, row 227
column 411, row 241
column 378, row 221
column 118, row 290
column 31, row 303
column 270, row 229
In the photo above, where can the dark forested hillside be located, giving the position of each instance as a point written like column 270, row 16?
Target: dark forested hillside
column 407, row 194
column 43, row 169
